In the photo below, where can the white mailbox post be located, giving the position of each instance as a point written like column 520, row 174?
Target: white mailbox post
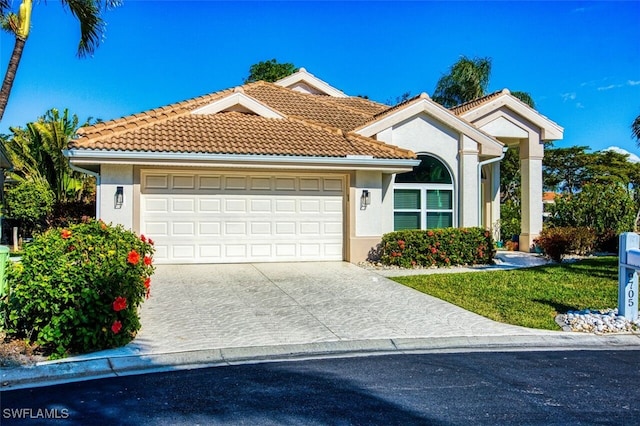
column 628, row 267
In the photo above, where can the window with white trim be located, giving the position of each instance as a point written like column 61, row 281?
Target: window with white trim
column 423, row 197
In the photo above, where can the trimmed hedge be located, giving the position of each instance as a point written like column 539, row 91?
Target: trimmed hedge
column 437, row 247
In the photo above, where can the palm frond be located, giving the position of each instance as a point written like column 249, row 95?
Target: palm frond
column 92, row 26
column 635, row 129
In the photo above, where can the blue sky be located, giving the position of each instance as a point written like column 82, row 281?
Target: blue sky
column 579, row 60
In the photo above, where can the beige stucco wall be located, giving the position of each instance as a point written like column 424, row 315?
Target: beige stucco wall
column 111, row 177
column 369, row 223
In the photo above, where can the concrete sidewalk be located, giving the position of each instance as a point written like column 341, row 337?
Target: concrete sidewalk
column 203, row 315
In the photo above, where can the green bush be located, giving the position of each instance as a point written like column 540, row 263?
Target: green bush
column 606, row 208
column 509, row 220
column 437, row 247
column 78, row 289
column 29, row 203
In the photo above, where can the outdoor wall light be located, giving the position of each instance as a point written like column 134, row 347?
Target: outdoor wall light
column 119, row 197
column 365, row 199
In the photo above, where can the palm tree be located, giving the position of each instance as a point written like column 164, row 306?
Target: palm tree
column 635, row 129
column 36, row 154
column 467, row 80
column 91, row 30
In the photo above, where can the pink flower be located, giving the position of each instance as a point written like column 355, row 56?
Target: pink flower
column 116, row 327
column 119, row 304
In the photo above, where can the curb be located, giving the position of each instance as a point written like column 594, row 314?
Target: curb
column 72, row 370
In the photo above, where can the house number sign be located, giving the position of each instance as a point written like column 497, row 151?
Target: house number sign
column 628, row 267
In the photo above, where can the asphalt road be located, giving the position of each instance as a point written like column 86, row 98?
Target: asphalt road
column 575, row 387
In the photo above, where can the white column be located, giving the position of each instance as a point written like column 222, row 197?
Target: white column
column 468, row 187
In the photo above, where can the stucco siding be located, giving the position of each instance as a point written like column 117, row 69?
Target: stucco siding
column 112, row 176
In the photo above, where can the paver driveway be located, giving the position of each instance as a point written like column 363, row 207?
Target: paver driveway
column 221, row 306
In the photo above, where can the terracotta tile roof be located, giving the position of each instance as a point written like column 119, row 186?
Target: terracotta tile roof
column 315, row 126
column 468, row 106
column 238, row 133
column 321, row 109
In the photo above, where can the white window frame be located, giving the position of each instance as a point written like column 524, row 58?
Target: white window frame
column 423, row 188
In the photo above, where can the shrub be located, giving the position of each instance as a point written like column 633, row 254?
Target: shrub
column 606, row 208
column 437, row 247
column 78, row 289
column 555, row 242
column 509, row 220
column 558, row 242
column 29, row 203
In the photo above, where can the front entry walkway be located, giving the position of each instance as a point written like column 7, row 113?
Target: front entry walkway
column 196, row 307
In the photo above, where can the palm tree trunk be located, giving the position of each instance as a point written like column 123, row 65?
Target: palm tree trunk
column 10, row 76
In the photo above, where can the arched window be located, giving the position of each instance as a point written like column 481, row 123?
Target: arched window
column 423, row 197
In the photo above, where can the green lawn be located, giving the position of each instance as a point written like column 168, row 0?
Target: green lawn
column 527, row 297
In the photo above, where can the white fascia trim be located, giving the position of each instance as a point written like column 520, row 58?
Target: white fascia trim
column 549, row 129
column 430, row 108
column 239, row 99
column 303, row 76
column 80, row 157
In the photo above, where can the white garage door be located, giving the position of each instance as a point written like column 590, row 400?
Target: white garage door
column 230, row 218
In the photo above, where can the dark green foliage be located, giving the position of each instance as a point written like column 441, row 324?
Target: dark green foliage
column 510, row 219
column 437, row 247
column 606, row 208
column 467, row 80
column 270, row 71
column 29, row 203
column 524, row 97
column 78, row 289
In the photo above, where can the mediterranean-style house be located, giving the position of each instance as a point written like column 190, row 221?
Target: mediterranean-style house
column 298, row 170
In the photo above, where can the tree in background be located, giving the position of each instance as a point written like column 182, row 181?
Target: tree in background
column 566, row 169
column 92, row 27
column 635, row 129
column 467, row 80
column 36, row 154
column 270, row 71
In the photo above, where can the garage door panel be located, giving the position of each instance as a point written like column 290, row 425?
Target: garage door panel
column 208, row 205
column 183, row 182
column 285, row 184
column 209, row 182
column 216, row 218
column 260, row 206
column 235, row 182
column 183, row 229
column 209, row 228
column 183, row 205
column 159, row 205
column 260, row 184
column 235, row 205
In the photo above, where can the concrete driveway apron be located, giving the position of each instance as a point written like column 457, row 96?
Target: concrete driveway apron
column 196, row 307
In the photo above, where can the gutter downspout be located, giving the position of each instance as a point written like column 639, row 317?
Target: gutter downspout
column 480, row 164
column 95, row 175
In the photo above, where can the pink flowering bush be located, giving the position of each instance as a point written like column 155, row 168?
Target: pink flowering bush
column 437, row 247
column 78, row 289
